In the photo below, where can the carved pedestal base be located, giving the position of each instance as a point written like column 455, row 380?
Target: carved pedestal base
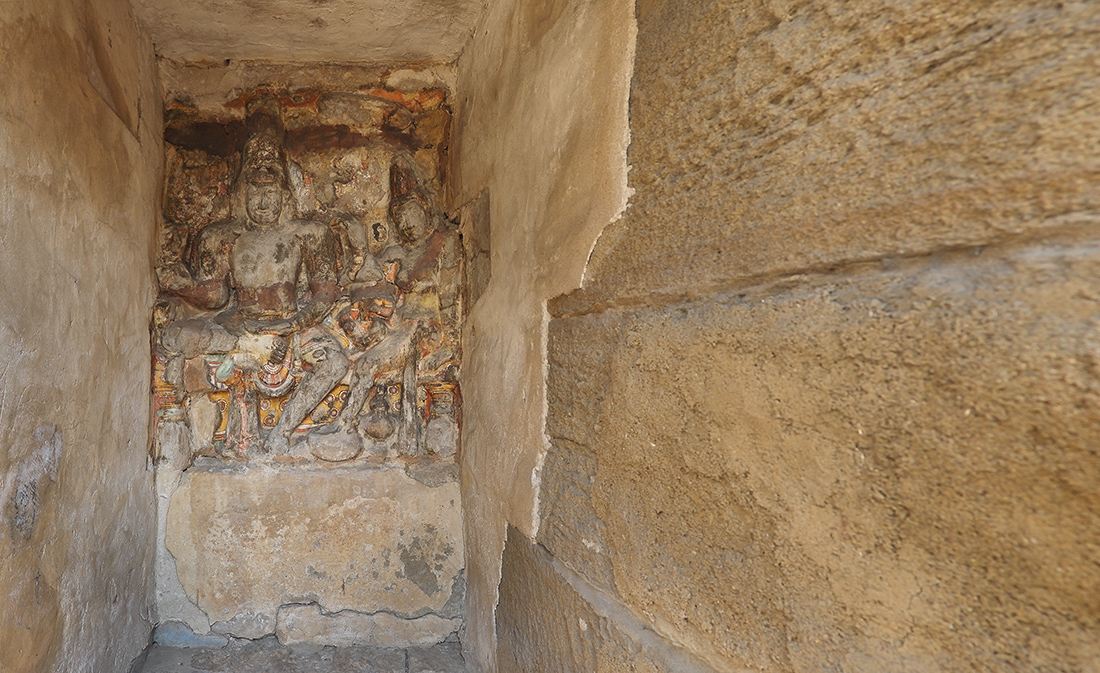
column 356, row 545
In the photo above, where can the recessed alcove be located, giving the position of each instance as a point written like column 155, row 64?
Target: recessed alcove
column 307, row 357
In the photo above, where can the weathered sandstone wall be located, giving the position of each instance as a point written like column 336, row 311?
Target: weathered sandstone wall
column 80, row 158
column 829, row 397
column 538, row 160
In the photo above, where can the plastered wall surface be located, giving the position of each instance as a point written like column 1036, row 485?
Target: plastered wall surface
column 828, row 397
column 541, row 132
column 80, row 157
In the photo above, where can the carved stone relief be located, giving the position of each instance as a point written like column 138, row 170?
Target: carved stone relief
column 309, row 305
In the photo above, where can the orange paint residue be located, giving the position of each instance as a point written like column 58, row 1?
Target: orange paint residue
column 177, row 105
column 418, row 102
column 306, row 99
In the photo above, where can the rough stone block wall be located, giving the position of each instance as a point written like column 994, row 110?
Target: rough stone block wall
column 80, row 163
column 591, row 631
column 828, row 398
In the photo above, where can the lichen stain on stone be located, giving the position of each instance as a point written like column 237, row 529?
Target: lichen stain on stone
column 31, row 481
column 417, row 570
column 422, row 558
column 24, row 507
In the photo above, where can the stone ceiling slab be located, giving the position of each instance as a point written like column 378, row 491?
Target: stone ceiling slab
column 352, row 31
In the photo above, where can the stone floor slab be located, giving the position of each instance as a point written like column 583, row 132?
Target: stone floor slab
column 442, row 658
column 268, row 656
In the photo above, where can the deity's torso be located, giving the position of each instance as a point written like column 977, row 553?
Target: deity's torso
column 266, row 263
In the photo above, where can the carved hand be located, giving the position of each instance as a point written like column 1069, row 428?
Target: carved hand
column 174, row 277
column 231, row 321
column 283, row 327
column 260, row 347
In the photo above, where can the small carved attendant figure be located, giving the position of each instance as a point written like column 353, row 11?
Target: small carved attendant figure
column 395, row 319
column 427, row 253
column 273, row 276
column 422, row 244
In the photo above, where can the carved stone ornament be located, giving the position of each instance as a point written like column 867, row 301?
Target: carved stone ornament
column 308, row 306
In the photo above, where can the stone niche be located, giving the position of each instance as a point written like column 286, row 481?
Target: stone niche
column 305, row 374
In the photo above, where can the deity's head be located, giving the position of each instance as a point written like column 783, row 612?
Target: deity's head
column 409, row 210
column 263, row 178
column 411, row 219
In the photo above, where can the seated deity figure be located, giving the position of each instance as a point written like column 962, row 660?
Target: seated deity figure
column 272, row 278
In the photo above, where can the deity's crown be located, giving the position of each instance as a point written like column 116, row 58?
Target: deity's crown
column 263, row 159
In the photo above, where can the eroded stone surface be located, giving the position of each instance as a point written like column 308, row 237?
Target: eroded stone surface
column 828, row 399
column 172, row 602
column 178, row 634
column 254, row 538
column 817, row 146
column 267, row 655
column 883, row 469
column 247, row 624
column 551, row 619
column 307, row 624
